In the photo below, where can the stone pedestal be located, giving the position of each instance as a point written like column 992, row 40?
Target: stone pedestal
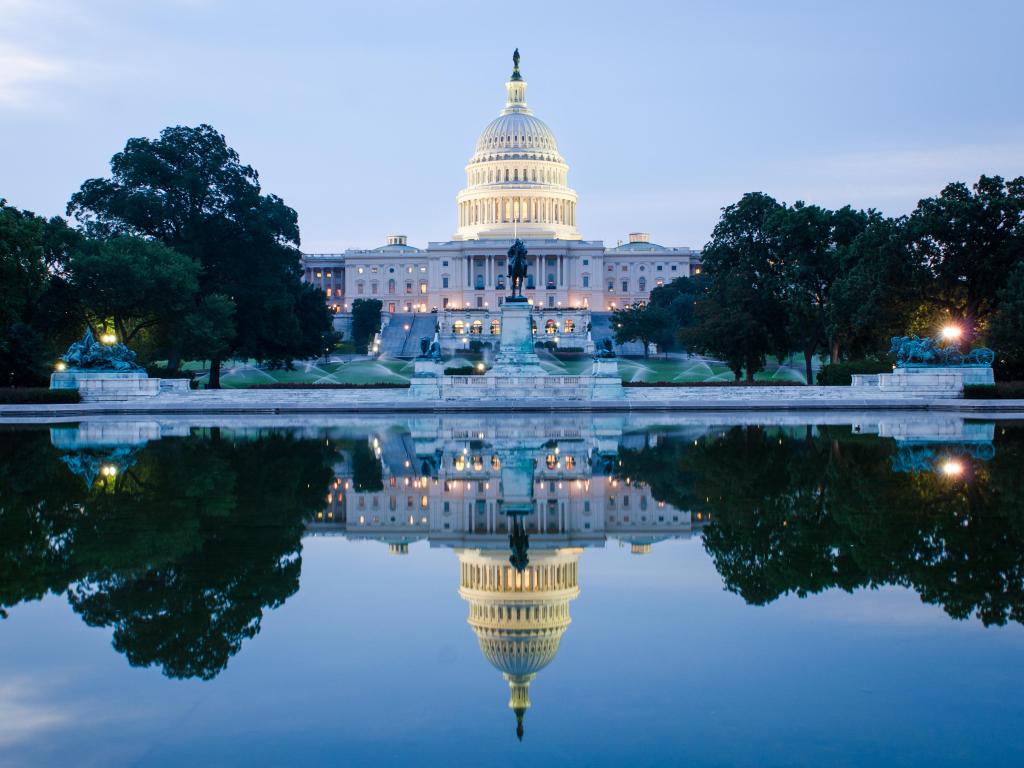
column 922, row 382
column 425, row 383
column 605, row 381
column 72, row 378
column 516, row 356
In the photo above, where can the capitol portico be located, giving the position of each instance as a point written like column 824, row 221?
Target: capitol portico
column 517, row 185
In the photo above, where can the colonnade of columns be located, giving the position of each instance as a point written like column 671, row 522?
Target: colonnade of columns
column 504, row 578
column 500, row 210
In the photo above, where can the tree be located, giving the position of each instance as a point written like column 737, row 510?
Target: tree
column 645, row 323
column 365, row 322
column 877, row 289
column 970, row 241
column 133, row 283
column 1006, row 330
column 208, row 329
column 742, row 318
column 189, row 190
column 37, row 312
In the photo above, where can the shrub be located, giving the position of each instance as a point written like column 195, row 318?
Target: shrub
column 38, row 395
column 712, row 384
column 1001, row 390
column 841, row 374
column 310, row 385
column 463, row 370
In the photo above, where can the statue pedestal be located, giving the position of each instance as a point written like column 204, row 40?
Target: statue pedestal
column 516, row 357
column 605, row 381
column 72, row 379
column 425, row 383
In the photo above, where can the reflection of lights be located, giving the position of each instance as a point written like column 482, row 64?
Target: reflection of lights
column 952, row 332
column 952, row 468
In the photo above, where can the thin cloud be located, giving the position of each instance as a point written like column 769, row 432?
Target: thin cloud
column 24, row 76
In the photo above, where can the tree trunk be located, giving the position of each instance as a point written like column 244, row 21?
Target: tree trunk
column 808, row 357
column 173, row 360
column 647, row 345
column 214, row 382
column 834, row 351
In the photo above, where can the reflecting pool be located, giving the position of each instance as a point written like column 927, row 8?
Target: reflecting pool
column 531, row 590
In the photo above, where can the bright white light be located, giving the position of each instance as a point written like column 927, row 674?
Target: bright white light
column 952, row 332
column 952, row 468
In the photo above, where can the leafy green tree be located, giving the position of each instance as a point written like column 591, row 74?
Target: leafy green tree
column 742, row 318
column 365, row 322
column 38, row 314
column 207, row 330
column 136, row 284
column 189, row 190
column 645, row 323
column 878, row 287
column 1006, row 329
column 970, row 240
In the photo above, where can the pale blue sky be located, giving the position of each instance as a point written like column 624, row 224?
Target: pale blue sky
column 362, row 116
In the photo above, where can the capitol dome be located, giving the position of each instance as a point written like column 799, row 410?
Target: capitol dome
column 517, row 182
column 519, row 617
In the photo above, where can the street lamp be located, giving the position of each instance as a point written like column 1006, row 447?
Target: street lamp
column 952, row 468
column 108, row 338
column 952, row 332
column 61, row 365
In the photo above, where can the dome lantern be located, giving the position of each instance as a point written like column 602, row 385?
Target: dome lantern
column 517, row 181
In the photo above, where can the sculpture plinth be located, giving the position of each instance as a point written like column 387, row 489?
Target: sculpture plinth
column 516, row 356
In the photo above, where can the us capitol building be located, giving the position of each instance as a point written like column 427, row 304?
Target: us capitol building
column 517, row 184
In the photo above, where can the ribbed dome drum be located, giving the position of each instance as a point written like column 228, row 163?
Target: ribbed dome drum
column 517, row 182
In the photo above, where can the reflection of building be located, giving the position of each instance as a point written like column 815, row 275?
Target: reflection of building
column 517, row 184
column 466, row 482
column 519, row 616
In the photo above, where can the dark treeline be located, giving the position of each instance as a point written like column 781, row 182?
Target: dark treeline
column 178, row 252
column 778, row 279
column 180, row 552
column 803, row 513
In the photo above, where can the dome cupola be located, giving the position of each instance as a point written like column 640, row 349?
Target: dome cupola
column 517, row 181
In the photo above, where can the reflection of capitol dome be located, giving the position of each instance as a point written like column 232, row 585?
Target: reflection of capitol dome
column 519, row 617
column 516, row 180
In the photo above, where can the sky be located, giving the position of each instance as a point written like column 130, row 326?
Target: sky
column 362, row 116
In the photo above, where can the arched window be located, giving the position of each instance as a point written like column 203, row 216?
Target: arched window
column 391, row 286
column 458, row 327
column 643, row 283
column 570, row 326
column 477, row 328
column 515, row 174
column 550, row 327
column 495, row 327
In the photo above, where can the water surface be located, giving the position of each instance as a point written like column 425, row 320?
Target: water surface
column 538, row 590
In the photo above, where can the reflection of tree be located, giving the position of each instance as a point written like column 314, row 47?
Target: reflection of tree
column 183, row 551
column 826, row 510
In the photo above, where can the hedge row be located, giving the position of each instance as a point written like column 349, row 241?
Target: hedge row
column 1001, row 390
column 712, row 384
column 310, row 385
column 841, row 374
column 38, row 395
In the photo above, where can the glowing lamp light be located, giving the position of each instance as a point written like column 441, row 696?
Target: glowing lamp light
column 108, row 470
column 108, row 338
column 61, row 365
column 952, row 332
column 480, row 366
column 952, row 468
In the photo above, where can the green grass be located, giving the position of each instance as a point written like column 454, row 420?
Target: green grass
column 242, row 375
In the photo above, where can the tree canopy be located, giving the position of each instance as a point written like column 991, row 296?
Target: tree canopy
column 189, row 190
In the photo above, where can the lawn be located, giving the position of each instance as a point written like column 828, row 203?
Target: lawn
column 241, row 375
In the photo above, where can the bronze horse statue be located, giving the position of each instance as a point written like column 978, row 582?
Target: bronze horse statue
column 517, row 266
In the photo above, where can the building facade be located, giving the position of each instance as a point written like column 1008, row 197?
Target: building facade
column 517, row 185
